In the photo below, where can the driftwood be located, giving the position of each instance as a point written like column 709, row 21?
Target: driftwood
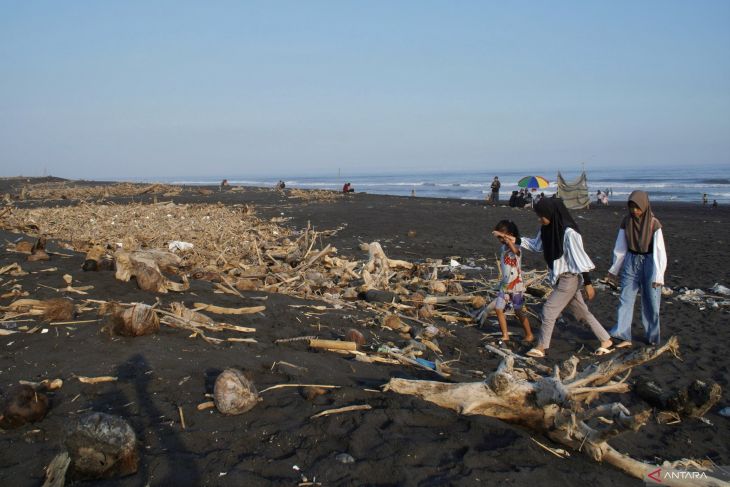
column 96, row 380
column 219, row 310
column 333, row 344
column 377, row 270
column 692, row 401
column 145, row 267
column 555, row 406
column 56, row 470
column 346, row 409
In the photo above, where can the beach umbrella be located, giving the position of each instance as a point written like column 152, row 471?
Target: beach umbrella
column 536, row 182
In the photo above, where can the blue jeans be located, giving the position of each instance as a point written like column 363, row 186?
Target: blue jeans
column 636, row 275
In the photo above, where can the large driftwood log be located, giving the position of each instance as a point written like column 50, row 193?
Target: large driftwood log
column 556, row 405
column 145, row 267
column 377, row 271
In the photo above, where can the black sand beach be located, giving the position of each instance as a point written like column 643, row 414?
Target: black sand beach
column 400, row 441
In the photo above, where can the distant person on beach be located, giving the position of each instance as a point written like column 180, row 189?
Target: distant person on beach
column 704, row 199
column 562, row 246
column 520, row 203
column 495, row 190
column 511, row 287
column 640, row 259
column 224, row 184
column 602, row 198
column 280, row 185
column 347, row 188
column 528, row 199
column 513, row 199
column 714, row 203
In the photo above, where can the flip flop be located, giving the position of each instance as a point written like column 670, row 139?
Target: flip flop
column 602, row 351
column 535, row 353
column 625, row 344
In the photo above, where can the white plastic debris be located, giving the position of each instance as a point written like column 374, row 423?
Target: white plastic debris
column 179, row 245
column 454, row 263
column 720, row 289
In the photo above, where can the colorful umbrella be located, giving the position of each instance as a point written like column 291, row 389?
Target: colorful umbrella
column 536, row 182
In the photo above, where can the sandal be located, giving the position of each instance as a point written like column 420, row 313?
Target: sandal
column 535, row 353
column 625, row 344
column 603, row 351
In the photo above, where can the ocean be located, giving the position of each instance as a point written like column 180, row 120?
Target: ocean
column 672, row 184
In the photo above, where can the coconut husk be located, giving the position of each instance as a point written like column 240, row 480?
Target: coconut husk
column 234, row 393
column 22, row 404
column 137, row 320
column 394, row 323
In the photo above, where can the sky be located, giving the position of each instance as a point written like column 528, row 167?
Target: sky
column 153, row 88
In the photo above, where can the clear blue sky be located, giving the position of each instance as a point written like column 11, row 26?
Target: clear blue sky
column 153, row 88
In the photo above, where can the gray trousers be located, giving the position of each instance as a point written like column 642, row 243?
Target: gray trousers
column 566, row 293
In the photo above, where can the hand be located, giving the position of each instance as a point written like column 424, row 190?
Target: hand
column 590, row 292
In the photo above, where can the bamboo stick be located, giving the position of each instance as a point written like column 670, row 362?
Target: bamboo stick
column 333, row 344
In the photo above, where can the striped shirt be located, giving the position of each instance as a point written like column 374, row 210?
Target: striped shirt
column 574, row 259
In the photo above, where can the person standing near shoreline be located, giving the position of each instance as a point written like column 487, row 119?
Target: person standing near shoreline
column 495, row 190
column 562, row 246
column 640, row 258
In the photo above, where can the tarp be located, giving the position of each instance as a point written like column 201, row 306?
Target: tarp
column 574, row 193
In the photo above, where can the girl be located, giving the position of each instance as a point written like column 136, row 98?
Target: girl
column 642, row 267
column 511, row 287
column 562, row 247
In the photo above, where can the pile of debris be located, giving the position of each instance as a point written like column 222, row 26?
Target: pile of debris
column 68, row 190
column 716, row 297
column 231, row 247
column 315, row 194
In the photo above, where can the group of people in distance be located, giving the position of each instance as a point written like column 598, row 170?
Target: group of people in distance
column 524, row 198
column 639, row 263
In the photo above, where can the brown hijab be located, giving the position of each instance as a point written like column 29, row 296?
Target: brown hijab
column 640, row 231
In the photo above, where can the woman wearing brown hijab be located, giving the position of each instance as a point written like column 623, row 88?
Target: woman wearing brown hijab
column 641, row 259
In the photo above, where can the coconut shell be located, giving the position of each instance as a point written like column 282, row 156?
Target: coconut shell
column 38, row 255
column 454, row 288
column 436, row 287
column 233, row 393
column 249, row 284
column 394, row 323
column 21, row 404
column 312, row 392
column 354, row 335
column 102, row 446
column 425, row 312
column 24, row 247
column 58, row 309
column 478, row 301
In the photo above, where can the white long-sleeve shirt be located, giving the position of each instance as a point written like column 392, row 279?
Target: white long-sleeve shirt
column 574, row 258
column 659, row 255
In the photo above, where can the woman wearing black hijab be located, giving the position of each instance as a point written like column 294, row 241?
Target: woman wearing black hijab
column 561, row 244
column 641, row 259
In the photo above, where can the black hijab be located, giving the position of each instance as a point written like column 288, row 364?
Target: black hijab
column 552, row 235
